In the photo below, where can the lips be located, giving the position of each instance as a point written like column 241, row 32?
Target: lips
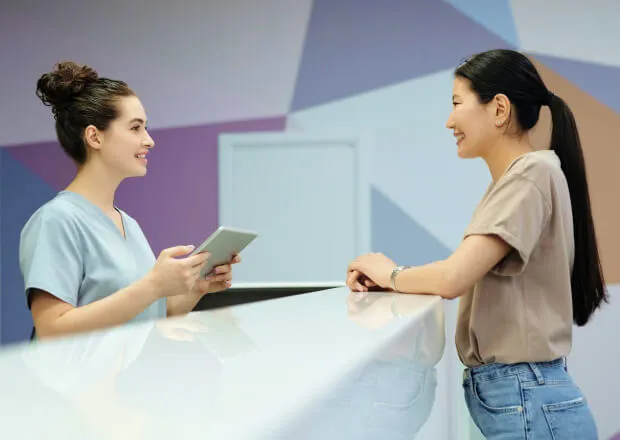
column 142, row 157
column 459, row 137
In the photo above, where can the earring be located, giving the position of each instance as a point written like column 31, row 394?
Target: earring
column 498, row 123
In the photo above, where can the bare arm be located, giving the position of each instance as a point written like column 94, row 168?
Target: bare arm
column 449, row 278
column 54, row 317
column 456, row 275
column 524, row 208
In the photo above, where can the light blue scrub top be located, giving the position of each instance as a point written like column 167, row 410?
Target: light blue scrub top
column 72, row 250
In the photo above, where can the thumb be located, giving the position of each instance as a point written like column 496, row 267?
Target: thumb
column 178, row 251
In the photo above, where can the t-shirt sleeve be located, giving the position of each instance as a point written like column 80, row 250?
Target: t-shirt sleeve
column 50, row 257
column 518, row 212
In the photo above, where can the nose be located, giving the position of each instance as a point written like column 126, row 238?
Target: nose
column 148, row 142
column 450, row 122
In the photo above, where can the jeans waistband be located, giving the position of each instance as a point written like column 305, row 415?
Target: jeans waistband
column 512, row 369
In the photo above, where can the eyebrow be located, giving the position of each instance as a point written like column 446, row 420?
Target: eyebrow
column 140, row 120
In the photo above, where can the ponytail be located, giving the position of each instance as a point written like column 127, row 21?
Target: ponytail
column 587, row 283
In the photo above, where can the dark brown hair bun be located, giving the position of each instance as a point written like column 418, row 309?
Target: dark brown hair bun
column 60, row 86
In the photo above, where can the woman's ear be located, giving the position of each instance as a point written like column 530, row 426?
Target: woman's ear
column 502, row 109
column 93, row 138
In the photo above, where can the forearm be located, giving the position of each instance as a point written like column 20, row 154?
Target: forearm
column 57, row 319
column 431, row 279
column 182, row 304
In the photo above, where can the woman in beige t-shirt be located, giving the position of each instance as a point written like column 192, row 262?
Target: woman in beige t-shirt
column 528, row 266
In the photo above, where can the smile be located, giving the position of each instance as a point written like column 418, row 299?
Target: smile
column 142, row 158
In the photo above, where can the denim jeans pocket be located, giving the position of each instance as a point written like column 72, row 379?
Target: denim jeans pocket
column 570, row 419
column 500, row 395
column 496, row 407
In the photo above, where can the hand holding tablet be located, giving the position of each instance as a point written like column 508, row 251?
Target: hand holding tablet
column 223, row 245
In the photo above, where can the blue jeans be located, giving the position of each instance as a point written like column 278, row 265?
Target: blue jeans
column 528, row 401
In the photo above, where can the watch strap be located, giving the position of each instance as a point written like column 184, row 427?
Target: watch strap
column 395, row 272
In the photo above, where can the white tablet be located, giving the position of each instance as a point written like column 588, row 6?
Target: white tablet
column 223, row 245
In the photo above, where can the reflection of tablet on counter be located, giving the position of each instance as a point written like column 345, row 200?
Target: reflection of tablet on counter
column 223, row 244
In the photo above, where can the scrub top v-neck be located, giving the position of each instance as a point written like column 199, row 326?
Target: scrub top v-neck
column 71, row 249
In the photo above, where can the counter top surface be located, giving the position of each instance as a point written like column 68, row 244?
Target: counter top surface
column 303, row 367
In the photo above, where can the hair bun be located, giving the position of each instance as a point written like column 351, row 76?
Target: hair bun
column 65, row 82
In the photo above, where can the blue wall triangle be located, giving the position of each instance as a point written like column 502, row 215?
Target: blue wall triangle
column 21, row 193
column 348, row 51
column 398, row 236
column 495, row 16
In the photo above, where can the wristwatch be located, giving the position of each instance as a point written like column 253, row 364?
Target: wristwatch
column 396, row 271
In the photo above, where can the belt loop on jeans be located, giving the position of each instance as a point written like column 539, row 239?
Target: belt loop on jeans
column 537, row 373
column 466, row 373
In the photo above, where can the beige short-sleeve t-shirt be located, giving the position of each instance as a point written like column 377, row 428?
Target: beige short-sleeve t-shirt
column 521, row 311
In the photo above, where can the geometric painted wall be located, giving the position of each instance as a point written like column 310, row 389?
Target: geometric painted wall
column 205, row 68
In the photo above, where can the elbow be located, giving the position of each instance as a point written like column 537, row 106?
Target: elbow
column 452, row 285
column 451, row 293
column 51, row 327
column 45, row 332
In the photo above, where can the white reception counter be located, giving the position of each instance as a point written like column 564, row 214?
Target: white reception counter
column 323, row 365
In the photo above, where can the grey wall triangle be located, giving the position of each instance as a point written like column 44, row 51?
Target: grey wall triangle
column 398, row 236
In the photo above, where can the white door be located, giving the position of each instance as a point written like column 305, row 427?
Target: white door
column 308, row 197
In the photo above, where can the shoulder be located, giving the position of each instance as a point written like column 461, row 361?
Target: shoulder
column 57, row 214
column 533, row 174
column 526, row 188
column 540, row 168
column 54, row 227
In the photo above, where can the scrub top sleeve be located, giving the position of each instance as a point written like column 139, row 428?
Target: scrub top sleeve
column 51, row 257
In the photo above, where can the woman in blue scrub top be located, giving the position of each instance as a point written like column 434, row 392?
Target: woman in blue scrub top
column 86, row 263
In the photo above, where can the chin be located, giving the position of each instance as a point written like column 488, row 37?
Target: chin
column 465, row 153
column 137, row 173
column 462, row 154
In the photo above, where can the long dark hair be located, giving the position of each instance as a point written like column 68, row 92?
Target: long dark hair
column 513, row 74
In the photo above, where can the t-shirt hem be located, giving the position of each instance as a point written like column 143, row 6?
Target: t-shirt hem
column 42, row 287
column 510, row 239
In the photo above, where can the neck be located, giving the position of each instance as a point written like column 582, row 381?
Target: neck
column 95, row 184
column 504, row 152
